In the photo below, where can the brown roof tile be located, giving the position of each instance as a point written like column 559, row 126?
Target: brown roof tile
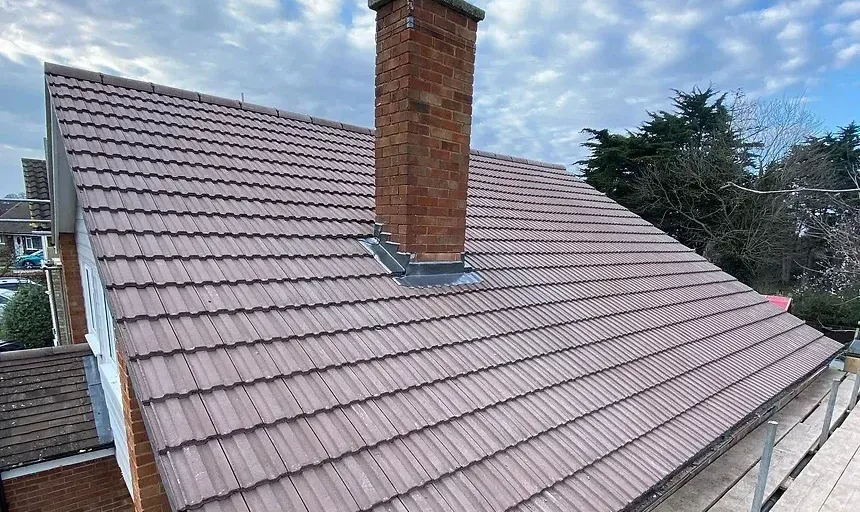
column 272, row 353
column 36, row 187
column 18, row 211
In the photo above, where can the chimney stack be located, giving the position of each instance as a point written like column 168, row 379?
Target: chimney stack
column 425, row 67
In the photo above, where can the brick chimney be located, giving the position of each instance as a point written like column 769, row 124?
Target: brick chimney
column 425, row 67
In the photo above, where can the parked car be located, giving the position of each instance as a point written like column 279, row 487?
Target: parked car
column 13, row 283
column 5, row 297
column 8, row 346
column 32, row 260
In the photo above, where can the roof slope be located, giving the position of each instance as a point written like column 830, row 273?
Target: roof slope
column 276, row 358
column 17, row 211
column 46, row 410
column 36, row 187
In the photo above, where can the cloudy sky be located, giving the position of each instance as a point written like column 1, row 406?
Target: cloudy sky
column 545, row 68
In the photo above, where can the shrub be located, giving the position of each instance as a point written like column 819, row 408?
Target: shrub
column 27, row 318
column 827, row 310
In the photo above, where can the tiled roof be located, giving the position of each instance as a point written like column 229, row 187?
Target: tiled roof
column 36, row 187
column 281, row 368
column 17, row 211
column 46, row 410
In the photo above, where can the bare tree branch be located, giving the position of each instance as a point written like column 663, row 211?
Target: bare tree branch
column 786, row 191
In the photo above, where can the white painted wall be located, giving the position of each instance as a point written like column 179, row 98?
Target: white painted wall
column 100, row 336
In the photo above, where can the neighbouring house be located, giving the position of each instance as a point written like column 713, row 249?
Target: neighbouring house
column 292, row 313
column 36, row 187
column 20, row 238
column 17, row 236
column 56, row 446
column 781, row 302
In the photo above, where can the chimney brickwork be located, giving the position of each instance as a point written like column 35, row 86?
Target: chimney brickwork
column 425, row 65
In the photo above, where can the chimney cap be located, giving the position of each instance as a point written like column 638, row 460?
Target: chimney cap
column 461, row 6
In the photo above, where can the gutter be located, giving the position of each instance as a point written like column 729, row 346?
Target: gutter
column 48, row 465
column 659, row 492
column 55, row 322
column 4, row 507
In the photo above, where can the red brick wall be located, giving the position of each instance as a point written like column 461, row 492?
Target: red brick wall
column 424, row 80
column 149, row 495
column 68, row 250
column 95, row 485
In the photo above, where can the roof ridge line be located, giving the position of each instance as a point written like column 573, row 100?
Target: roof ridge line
column 518, row 160
column 140, row 85
column 45, row 351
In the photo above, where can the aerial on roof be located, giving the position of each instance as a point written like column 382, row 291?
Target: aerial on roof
column 275, row 356
column 47, row 410
column 36, row 187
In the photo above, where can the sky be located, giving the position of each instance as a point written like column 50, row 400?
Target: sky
column 545, row 69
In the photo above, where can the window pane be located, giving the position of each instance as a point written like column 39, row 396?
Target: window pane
column 88, row 298
column 108, row 338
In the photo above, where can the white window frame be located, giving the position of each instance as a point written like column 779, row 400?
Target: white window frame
column 29, row 244
column 100, row 330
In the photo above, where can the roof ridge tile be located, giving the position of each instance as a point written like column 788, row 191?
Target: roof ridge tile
column 499, row 156
column 178, row 93
column 260, row 109
column 128, row 83
column 220, row 100
column 92, row 76
column 46, row 351
column 295, row 116
column 71, row 72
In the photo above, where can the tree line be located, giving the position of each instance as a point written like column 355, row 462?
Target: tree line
column 754, row 186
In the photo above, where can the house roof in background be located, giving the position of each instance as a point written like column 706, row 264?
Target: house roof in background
column 274, row 356
column 17, row 211
column 782, row 302
column 36, row 187
column 46, row 411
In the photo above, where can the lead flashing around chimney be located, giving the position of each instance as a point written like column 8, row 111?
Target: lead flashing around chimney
column 476, row 13
column 417, row 274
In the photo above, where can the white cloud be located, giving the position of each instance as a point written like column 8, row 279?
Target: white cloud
column 577, row 45
column 848, row 54
column 606, row 11
column 655, row 49
column 545, row 69
column 362, row 31
column 545, row 76
column 784, row 11
column 321, row 10
column 831, row 29
column 848, row 8
column 681, row 19
column 792, row 31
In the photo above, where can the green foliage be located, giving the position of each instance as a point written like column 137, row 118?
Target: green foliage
column 27, row 318
column 827, row 310
column 6, row 261
column 673, row 170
